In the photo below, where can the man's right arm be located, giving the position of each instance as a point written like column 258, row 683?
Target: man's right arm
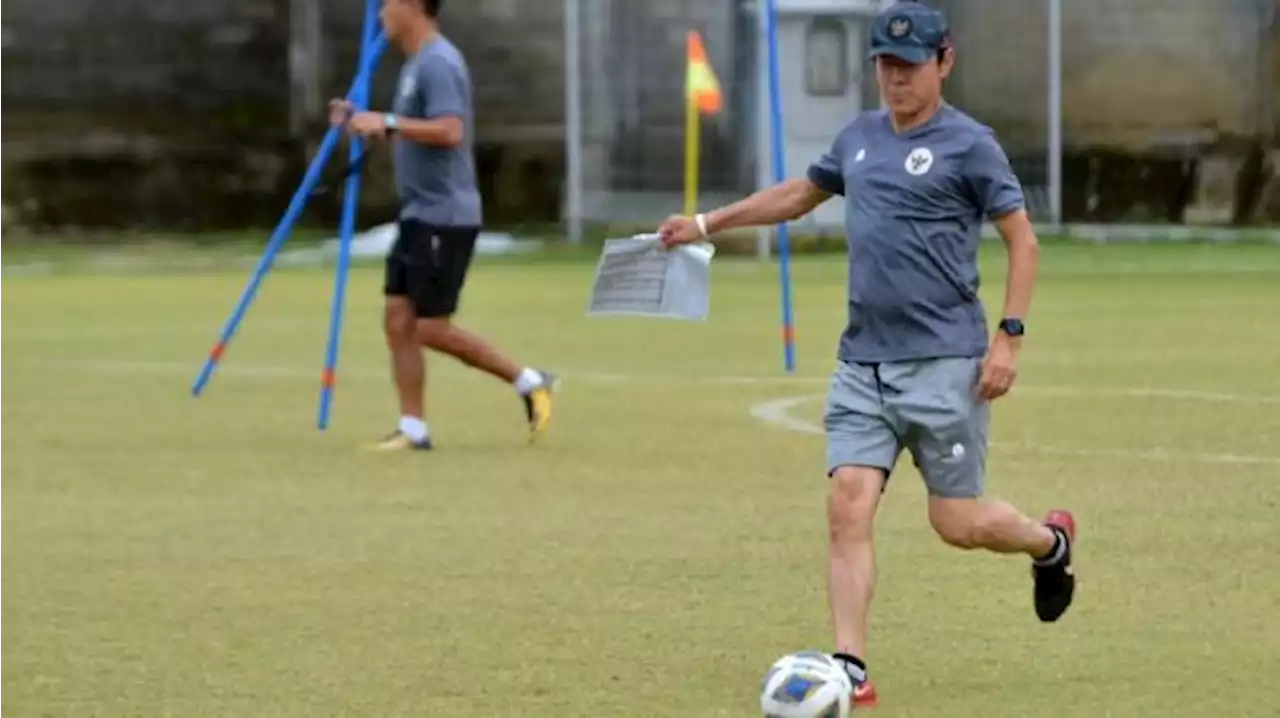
column 782, row 202
column 788, row 200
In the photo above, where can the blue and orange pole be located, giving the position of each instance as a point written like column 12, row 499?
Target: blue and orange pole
column 283, row 229
column 779, row 174
column 350, row 205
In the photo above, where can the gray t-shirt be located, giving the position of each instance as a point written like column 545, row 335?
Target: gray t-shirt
column 437, row 185
column 914, row 206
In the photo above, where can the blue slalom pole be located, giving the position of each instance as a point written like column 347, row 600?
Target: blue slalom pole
column 779, row 174
column 280, row 234
column 350, row 204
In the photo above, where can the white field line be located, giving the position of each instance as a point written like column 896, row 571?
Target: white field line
column 777, row 413
column 231, row 367
column 30, row 333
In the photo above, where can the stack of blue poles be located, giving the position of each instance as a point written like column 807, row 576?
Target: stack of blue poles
column 373, row 44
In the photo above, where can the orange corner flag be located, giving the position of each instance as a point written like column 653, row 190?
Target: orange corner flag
column 701, row 86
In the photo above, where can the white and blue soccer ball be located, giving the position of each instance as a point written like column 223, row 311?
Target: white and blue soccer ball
column 806, row 684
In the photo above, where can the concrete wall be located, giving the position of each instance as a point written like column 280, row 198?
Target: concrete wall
column 174, row 113
column 1137, row 74
column 79, row 71
column 1167, row 104
column 145, row 110
column 180, row 113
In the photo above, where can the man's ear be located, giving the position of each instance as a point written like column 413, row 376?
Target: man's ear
column 946, row 61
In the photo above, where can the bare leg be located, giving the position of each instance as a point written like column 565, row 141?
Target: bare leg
column 997, row 526
column 991, row 525
column 407, row 365
column 851, row 569
column 443, row 336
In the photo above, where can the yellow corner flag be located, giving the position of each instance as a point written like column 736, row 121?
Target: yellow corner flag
column 701, row 86
column 701, row 97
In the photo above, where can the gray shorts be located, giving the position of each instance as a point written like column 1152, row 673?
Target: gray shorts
column 928, row 407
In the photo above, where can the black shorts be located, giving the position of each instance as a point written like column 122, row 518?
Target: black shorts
column 429, row 265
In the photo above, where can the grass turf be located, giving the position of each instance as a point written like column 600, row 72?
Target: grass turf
column 168, row 556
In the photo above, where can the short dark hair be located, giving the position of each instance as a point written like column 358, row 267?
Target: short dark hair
column 945, row 45
column 432, row 7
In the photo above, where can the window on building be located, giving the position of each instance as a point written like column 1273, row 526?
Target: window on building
column 826, row 57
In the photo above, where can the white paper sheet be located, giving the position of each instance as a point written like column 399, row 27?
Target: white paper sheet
column 636, row 276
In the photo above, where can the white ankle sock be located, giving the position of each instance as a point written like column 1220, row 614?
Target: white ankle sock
column 1059, row 550
column 413, row 427
column 853, row 666
column 528, row 380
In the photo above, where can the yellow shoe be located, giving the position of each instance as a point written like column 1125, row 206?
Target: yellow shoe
column 398, row 441
column 537, row 405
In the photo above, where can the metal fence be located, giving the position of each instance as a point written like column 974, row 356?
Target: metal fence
column 172, row 113
column 625, row 73
column 1112, row 111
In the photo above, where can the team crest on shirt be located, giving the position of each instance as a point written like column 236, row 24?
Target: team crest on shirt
column 407, row 84
column 919, row 161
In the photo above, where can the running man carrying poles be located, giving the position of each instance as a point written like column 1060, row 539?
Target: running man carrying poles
column 915, row 369
column 432, row 124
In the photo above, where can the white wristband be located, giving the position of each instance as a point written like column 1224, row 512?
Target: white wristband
column 701, row 221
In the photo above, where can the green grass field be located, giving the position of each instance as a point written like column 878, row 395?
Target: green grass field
column 220, row 557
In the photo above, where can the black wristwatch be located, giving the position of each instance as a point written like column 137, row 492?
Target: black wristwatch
column 1013, row 327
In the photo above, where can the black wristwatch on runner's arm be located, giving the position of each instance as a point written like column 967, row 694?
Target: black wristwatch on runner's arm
column 1013, row 327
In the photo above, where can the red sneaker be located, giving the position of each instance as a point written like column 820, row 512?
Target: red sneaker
column 1056, row 581
column 864, row 696
column 1063, row 520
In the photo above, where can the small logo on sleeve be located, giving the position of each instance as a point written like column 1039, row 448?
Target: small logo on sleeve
column 407, row 85
column 862, row 155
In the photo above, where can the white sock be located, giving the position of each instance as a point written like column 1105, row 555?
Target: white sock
column 413, row 427
column 528, row 380
column 853, row 666
column 1059, row 550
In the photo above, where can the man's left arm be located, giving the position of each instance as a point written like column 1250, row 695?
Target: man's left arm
column 441, row 87
column 441, row 98
column 1024, row 251
column 999, row 195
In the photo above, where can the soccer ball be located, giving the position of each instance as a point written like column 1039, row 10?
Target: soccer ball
column 807, row 684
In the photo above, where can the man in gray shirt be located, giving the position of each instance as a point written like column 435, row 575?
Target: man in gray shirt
column 915, row 370
column 440, row 216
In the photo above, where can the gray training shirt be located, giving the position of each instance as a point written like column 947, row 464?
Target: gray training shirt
column 914, row 206
column 437, row 185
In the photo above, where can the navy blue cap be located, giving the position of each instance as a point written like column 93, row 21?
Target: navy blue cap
column 911, row 31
